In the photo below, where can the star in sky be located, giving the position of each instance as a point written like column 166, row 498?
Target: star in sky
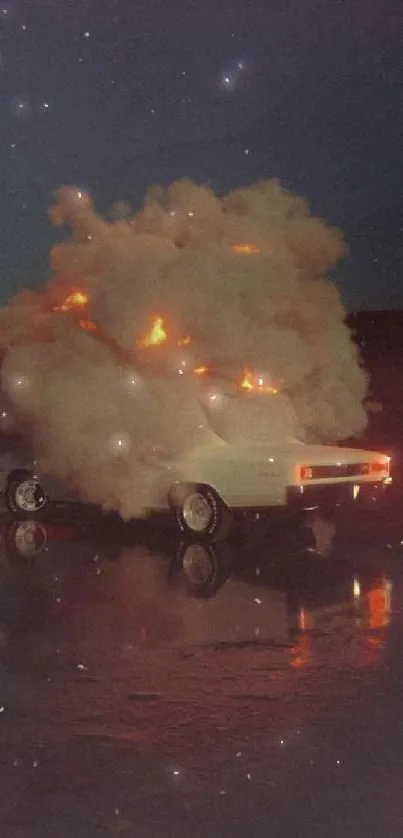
column 230, row 78
column 119, row 96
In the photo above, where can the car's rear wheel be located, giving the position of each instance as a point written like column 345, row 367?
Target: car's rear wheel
column 199, row 511
column 25, row 495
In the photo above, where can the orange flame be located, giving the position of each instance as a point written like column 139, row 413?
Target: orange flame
column 156, row 334
column 247, row 380
column 76, row 299
column 88, row 325
column 251, row 382
column 200, row 370
column 245, row 249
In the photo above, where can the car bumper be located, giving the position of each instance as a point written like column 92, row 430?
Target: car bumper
column 336, row 494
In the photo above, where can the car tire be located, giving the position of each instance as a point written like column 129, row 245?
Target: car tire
column 25, row 496
column 200, row 512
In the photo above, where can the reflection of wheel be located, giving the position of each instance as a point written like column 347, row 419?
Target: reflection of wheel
column 320, row 533
column 202, row 568
column 26, row 539
column 200, row 511
column 25, row 495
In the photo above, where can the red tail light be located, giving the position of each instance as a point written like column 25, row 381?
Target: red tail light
column 306, row 473
column 379, row 468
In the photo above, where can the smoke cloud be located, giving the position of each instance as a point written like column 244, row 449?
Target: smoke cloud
column 138, row 344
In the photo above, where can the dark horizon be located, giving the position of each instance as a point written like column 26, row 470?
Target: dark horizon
column 114, row 100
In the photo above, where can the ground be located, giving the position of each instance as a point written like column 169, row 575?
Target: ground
column 152, row 689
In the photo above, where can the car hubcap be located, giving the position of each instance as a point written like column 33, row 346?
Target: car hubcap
column 197, row 512
column 196, row 564
column 29, row 496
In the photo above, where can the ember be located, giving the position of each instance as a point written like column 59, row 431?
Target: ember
column 245, row 249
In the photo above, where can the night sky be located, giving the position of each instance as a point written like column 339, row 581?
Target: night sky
column 114, row 96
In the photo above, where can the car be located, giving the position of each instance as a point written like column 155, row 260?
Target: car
column 205, row 489
column 216, row 481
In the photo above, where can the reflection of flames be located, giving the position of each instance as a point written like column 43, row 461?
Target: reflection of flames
column 251, row 382
column 76, row 299
column 301, row 652
column 379, row 600
column 156, row 335
column 245, row 249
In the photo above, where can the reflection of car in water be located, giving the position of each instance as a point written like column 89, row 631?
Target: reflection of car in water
column 28, row 539
column 205, row 593
column 295, row 566
column 207, row 487
column 39, row 562
column 202, row 568
column 268, row 599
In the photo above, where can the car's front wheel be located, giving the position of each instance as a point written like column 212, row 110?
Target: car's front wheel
column 25, row 495
column 200, row 511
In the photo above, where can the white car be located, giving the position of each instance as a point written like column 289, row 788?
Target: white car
column 215, row 480
column 219, row 479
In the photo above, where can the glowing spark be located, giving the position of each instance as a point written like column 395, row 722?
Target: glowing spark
column 184, row 341
column 156, row 335
column 245, row 249
column 200, row 370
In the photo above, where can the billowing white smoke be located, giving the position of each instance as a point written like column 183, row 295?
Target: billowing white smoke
column 238, row 283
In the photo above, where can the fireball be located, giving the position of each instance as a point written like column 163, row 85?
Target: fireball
column 74, row 300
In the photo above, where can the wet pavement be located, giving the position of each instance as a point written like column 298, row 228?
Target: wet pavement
column 153, row 688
